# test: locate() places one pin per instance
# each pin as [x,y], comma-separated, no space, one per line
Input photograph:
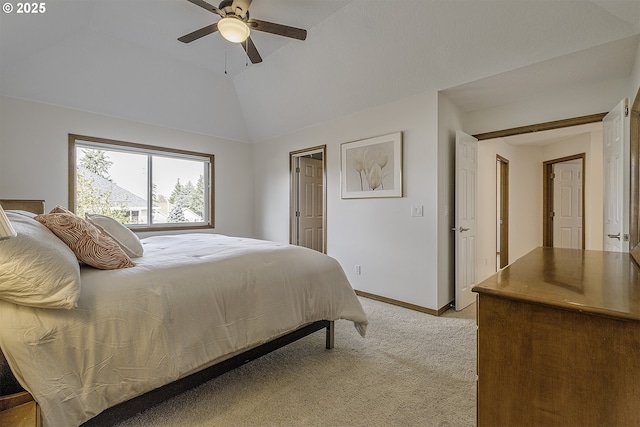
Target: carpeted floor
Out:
[412,369]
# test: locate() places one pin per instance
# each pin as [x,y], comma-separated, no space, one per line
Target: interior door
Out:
[616,178]
[502,212]
[567,205]
[466,220]
[310,221]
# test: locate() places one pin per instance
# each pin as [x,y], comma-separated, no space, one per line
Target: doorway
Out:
[563,202]
[307,216]
[502,212]
[526,150]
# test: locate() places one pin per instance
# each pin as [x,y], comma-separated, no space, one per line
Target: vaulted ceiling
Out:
[122,58]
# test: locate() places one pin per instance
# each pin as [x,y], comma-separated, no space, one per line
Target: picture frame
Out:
[372,167]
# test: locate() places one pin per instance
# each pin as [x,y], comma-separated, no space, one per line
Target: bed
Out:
[191,307]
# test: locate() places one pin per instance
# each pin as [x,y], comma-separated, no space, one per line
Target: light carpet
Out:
[412,369]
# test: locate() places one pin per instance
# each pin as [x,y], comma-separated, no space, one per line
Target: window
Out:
[141,186]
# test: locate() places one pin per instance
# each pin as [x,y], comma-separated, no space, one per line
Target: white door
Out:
[465,216]
[310,229]
[567,205]
[616,178]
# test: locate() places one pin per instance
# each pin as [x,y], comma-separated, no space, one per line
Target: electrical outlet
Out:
[358,270]
[416,210]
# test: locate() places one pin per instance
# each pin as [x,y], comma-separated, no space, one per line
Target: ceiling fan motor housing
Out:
[237,8]
[234,12]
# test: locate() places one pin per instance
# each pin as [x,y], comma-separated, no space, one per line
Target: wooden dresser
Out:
[559,341]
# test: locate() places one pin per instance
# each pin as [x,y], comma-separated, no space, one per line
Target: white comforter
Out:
[189,302]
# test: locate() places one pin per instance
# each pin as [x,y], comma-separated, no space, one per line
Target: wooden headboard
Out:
[35,206]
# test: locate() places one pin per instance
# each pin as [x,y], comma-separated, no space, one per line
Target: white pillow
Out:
[24,213]
[126,238]
[38,269]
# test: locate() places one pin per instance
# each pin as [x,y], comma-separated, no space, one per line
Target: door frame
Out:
[294,192]
[504,210]
[548,193]
[557,124]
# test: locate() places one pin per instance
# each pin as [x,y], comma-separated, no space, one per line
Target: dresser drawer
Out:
[19,410]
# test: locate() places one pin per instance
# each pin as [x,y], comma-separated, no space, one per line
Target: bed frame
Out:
[129,408]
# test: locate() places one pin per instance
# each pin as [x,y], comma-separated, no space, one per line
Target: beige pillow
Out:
[91,246]
[126,238]
[37,269]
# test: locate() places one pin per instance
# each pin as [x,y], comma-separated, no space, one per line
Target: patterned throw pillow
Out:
[88,243]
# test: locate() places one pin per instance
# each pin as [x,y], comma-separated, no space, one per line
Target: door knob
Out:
[614,236]
[461,229]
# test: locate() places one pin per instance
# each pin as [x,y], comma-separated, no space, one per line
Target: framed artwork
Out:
[372,167]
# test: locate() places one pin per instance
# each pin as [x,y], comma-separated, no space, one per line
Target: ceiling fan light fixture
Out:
[233,29]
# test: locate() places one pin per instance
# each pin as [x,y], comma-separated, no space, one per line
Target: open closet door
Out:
[616,178]
[466,220]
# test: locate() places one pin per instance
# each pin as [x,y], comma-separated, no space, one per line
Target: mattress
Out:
[191,301]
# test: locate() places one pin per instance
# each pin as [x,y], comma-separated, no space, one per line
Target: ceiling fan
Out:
[235,26]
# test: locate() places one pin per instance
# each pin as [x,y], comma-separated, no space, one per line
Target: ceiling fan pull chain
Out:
[225,59]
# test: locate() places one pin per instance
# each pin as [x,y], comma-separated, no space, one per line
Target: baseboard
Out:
[403,304]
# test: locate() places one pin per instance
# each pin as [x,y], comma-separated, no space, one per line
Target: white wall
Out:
[398,254]
[525,202]
[594,98]
[635,77]
[34,153]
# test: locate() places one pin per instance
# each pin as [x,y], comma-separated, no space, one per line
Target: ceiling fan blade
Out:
[251,50]
[203,4]
[241,7]
[188,38]
[278,29]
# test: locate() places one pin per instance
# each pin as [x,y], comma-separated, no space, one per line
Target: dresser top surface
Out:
[605,283]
